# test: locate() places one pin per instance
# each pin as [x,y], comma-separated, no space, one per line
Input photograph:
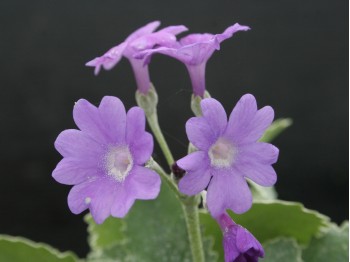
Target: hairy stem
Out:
[148,102]
[153,123]
[190,208]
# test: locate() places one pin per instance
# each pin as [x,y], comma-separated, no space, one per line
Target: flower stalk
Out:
[190,208]
[189,204]
[148,102]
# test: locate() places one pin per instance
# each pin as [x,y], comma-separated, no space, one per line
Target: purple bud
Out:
[239,244]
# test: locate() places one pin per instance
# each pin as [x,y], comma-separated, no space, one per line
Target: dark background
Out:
[295,59]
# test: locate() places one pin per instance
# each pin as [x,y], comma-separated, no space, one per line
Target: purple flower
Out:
[141,39]
[194,51]
[239,244]
[104,160]
[228,151]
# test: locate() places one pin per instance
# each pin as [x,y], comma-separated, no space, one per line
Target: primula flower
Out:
[141,39]
[228,151]
[104,160]
[194,50]
[239,244]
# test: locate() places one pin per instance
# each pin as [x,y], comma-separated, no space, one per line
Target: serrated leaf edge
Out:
[292,240]
[93,237]
[38,245]
[325,219]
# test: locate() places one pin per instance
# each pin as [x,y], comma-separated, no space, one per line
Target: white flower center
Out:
[222,153]
[118,162]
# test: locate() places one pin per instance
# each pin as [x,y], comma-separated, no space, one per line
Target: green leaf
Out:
[111,233]
[282,249]
[19,249]
[332,245]
[152,231]
[276,128]
[274,218]
[262,193]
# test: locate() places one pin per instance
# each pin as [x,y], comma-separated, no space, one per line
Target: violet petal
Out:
[215,114]
[228,190]
[72,171]
[195,182]
[144,182]
[194,161]
[200,133]
[113,116]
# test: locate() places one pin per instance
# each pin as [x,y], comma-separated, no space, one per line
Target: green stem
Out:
[148,102]
[190,208]
[154,124]
[189,204]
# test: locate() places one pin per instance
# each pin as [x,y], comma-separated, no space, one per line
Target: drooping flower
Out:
[141,39]
[239,244]
[194,50]
[228,151]
[104,160]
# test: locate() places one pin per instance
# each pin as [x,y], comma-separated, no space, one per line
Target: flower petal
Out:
[228,190]
[165,38]
[195,38]
[75,143]
[140,142]
[261,121]
[95,194]
[261,174]
[230,249]
[200,133]
[97,63]
[88,119]
[246,242]
[143,183]
[122,203]
[142,149]
[149,41]
[147,29]
[109,59]
[264,153]
[215,114]
[231,30]
[172,52]
[197,53]
[135,124]
[240,118]
[194,161]
[71,171]
[174,29]
[195,182]
[113,117]
[113,56]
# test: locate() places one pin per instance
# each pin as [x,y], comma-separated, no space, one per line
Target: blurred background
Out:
[295,59]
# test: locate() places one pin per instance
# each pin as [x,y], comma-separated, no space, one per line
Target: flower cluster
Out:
[193,50]
[106,159]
